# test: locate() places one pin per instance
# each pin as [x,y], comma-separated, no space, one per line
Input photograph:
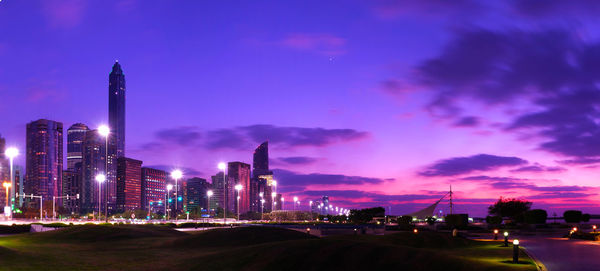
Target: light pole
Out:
[238,188]
[100,178]
[167,198]
[209,194]
[11,153]
[273,195]
[262,204]
[295,200]
[104,131]
[223,168]
[7,211]
[176,174]
[282,203]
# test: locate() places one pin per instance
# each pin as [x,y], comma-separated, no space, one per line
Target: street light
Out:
[167,197]
[11,153]
[515,251]
[282,204]
[209,194]
[238,188]
[505,238]
[176,174]
[273,195]
[100,178]
[104,131]
[295,200]
[223,167]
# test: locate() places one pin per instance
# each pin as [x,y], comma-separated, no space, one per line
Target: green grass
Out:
[250,248]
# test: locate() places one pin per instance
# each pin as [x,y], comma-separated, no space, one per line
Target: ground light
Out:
[594,227]
[515,251]
[415,231]
[506,239]
[496,234]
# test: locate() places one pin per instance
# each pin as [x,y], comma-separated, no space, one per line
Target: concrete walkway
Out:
[558,253]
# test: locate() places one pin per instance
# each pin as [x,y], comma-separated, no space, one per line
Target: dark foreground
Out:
[249,248]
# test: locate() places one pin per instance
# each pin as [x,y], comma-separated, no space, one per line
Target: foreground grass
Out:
[253,248]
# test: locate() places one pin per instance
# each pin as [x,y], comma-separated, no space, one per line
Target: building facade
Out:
[72,188]
[116,107]
[75,140]
[196,198]
[94,162]
[154,182]
[238,173]
[218,187]
[44,160]
[129,184]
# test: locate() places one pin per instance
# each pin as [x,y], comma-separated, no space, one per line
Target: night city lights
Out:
[299,135]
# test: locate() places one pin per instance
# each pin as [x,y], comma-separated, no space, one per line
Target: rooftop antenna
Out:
[451,205]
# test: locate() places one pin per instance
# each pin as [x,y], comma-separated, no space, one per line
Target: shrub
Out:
[537,216]
[430,220]
[457,221]
[586,217]
[572,216]
[404,220]
[493,219]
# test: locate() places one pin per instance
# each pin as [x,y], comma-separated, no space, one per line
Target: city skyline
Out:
[392,125]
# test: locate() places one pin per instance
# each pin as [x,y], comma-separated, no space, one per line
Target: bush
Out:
[404,220]
[586,217]
[14,229]
[430,220]
[493,219]
[457,221]
[537,216]
[572,216]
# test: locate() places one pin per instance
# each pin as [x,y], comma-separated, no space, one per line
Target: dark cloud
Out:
[187,172]
[290,178]
[462,165]
[580,161]
[375,197]
[247,137]
[555,70]
[296,160]
[469,121]
[543,8]
[562,195]
[539,168]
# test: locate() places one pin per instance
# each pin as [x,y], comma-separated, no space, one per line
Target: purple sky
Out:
[375,103]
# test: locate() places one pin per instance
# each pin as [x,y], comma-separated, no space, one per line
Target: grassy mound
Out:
[93,233]
[242,236]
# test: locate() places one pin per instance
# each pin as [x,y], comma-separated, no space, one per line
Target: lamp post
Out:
[496,234]
[104,131]
[167,198]
[506,239]
[209,194]
[100,178]
[238,188]
[273,195]
[282,203]
[11,153]
[176,174]
[7,211]
[223,167]
[295,201]
[262,204]
[515,251]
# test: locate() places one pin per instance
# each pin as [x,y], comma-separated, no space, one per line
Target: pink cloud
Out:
[64,13]
[326,44]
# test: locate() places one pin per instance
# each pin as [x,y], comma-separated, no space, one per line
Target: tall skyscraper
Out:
[94,162]
[238,173]
[44,160]
[72,187]
[154,189]
[75,138]
[116,107]
[218,186]
[4,167]
[196,194]
[129,184]
[262,180]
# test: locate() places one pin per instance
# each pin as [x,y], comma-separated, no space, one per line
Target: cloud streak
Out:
[463,165]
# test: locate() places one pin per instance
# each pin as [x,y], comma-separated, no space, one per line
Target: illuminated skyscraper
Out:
[195,191]
[94,162]
[154,183]
[75,138]
[129,184]
[218,185]
[262,180]
[238,173]
[44,160]
[116,108]
[260,160]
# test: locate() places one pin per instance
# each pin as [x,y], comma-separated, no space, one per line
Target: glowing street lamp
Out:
[167,198]
[505,238]
[282,204]
[209,194]
[238,188]
[295,201]
[11,153]
[104,131]
[176,175]
[100,178]
[273,195]
[515,251]
[223,167]
[496,234]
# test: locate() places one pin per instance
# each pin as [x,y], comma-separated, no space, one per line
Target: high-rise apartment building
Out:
[95,162]
[75,140]
[44,160]
[72,188]
[129,184]
[154,182]
[196,189]
[238,173]
[218,187]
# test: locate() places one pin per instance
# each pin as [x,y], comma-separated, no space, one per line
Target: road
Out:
[559,254]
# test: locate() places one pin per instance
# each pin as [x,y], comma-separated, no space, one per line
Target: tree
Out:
[586,217]
[572,216]
[366,215]
[537,216]
[493,219]
[511,208]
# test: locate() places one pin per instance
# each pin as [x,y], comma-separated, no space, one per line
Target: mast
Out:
[451,206]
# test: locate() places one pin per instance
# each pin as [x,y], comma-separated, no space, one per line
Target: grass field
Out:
[250,248]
